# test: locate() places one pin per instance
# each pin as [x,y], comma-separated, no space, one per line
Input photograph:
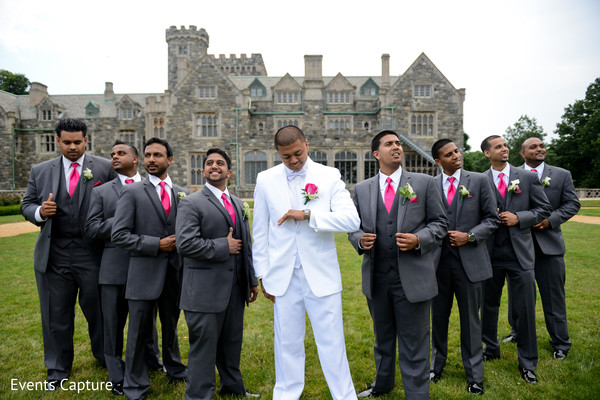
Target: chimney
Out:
[37,92]
[109,94]
[313,68]
[385,71]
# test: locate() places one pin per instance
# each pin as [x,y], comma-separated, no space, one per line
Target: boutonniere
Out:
[180,195]
[514,187]
[546,181]
[87,174]
[408,193]
[246,211]
[310,192]
[464,192]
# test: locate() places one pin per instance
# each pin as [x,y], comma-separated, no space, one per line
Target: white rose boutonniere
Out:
[464,192]
[246,211]
[87,174]
[514,187]
[546,181]
[408,193]
[180,195]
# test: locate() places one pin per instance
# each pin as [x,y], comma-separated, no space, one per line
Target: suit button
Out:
[449,212]
[389,222]
[390,235]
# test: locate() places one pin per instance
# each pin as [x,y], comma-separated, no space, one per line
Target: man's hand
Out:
[457,238]
[298,215]
[508,219]
[267,295]
[406,241]
[545,224]
[48,208]
[367,240]
[253,294]
[167,243]
[235,245]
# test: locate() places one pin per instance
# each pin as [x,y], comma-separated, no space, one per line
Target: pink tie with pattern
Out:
[73,179]
[451,190]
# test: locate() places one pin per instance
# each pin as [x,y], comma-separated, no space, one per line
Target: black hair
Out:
[486,144]
[435,149]
[221,153]
[132,147]
[287,135]
[71,125]
[377,139]
[162,142]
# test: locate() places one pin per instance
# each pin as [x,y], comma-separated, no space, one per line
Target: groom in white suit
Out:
[296,261]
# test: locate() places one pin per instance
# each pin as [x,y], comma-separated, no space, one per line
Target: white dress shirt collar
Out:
[156,181]
[539,169]
[136,178]
[396,176]
[67,163]
[218,192]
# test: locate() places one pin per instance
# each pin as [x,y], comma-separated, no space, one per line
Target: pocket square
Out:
[97,184]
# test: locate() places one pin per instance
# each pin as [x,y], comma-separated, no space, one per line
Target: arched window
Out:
[371,165]
[318,156]
[347,163]
[196,177]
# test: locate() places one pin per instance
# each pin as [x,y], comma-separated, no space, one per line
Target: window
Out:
[347,163]
[421,124]
[91,110]
[127,137]
[370,88]
[257,89]
[367,126]
[285,122]
[47,143]
[261,128]
[46,115]
[183,50]
[414,162]
[127,113]
[207,125]
[254,162]
[276,159]
[339,125]
[338,97]
[256,92]
[207,92]
[89,143]
[288,98]
[159,128]
[422,91]
[196,177]
[371,165]
[318,156]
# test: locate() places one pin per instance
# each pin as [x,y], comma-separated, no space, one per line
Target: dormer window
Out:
[370,88]
[91,110]
[288,98]
[338,97]
[257,89]
[46,115]
[127,113]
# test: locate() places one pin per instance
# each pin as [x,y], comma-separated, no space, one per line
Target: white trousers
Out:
[325,315]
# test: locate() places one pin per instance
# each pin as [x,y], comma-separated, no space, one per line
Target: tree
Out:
[14,83]
[475,161]
[523,129]
[578,143]
[466,145]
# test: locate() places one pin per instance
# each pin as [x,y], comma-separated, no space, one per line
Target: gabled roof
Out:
[339,83]
[287,83]
[424,60]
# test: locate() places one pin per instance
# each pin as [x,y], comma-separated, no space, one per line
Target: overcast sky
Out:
[531,57]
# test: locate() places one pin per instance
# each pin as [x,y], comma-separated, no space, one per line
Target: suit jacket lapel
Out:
[374,191]
[55,175]
[402,205]
[83,183]
[158,207]
[280,185]
[117,186]
[218,205]
[513,175]
[465,180]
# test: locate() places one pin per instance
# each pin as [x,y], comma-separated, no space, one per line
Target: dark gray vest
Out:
[451,211]
[386,250]
[503,252]
[66,224]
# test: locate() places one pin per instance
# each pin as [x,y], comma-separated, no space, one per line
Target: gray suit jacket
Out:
[425,217]
[476,213]
[115,260]
[565,204]
[531,206]
[44,179]
[140,223]
[208,269]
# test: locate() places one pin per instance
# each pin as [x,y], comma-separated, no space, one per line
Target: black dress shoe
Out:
[528,375]
[246,395]
[510,339]
[117,389]
[475,388]
[435,376]
[174,380]
[490,357]
[370,393]
[560,354]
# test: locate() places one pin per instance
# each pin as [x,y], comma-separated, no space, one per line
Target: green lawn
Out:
[577,377]
[590,203]
[7,219]
[592,212]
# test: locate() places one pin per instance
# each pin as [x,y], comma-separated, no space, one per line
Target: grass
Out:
[7,219]
[590,203]
[591,212]
[21,349]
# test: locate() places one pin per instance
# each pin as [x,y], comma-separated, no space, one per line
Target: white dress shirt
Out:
[136,178]
[218,193]
[539,169]
[396,175]
[446,185]
[505,171]
[168,187]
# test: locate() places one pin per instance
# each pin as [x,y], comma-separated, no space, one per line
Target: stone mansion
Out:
[231,103]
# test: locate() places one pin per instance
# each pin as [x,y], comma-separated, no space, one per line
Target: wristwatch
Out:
[306,214]
[471,237]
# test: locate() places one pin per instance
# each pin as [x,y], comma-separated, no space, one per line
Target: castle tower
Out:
[186,47]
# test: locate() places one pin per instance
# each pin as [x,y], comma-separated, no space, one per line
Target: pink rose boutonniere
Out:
[514,187]
[310,192]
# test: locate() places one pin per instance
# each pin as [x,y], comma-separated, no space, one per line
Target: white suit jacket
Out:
[274,247]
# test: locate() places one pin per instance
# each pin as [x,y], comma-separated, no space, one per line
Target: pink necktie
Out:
[228,207]
[73,179]
[534,170]
[451,190]
[128,181]
[388,197]
[164,198]
[502,185]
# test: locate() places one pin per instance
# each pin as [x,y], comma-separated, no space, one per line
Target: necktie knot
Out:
[128,181]
[74,165]
[533,170]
